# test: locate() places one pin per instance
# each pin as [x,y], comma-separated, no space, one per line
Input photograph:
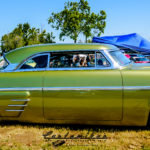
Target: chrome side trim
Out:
[73,88]
[82,88]
[136,87]
[65,69]
[22,89]
[20,100]
[13,110]
[98,88]
[17,105]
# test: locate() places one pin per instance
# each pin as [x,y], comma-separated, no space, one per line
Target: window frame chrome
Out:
[104,57]
[111,67]
[83,68]
[33,56]
[6,58]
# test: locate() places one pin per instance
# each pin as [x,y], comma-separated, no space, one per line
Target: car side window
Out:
[101,61]
[37,62]
[72,59]
[78,59]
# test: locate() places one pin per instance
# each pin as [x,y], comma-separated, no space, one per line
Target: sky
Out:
[123,16]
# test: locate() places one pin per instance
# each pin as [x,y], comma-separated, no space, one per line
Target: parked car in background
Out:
[140,60]
[136,57]
[127,55]
[73,84]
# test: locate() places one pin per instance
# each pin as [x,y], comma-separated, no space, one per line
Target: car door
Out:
[89,92]
[21,90]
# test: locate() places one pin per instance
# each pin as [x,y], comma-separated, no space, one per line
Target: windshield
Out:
[3,63]
[119,57]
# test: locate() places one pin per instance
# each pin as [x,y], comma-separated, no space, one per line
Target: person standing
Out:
[88,60]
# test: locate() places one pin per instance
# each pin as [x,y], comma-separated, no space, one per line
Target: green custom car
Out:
[73,84]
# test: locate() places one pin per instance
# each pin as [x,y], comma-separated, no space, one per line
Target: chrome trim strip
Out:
[64,69]
[22,89]
[6,58]
[17,105]
[112,62]
[82,88]
[30,57]
[13,110]
[136,87]
[20,100]
[78,69]
[95,59]
[73,88]
[48,60]
[98,88]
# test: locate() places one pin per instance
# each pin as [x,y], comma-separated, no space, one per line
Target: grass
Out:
[21,136]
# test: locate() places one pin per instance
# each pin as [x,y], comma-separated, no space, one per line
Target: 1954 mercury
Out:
[73,84]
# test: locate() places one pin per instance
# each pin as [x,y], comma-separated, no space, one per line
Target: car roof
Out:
[20,54]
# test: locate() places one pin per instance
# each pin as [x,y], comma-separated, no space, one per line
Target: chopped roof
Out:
[20,54]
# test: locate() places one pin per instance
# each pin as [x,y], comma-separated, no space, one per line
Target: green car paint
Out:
[21,54]
[76,96]
[21,99]
[74,104]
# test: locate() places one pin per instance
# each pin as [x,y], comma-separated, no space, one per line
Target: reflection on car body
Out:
[73,83]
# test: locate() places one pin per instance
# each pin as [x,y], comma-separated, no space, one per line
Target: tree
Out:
[11,41]
[24,35]
[32,37]
[77,18]
[49,38]
[68,21]
[94,24]
[46,37]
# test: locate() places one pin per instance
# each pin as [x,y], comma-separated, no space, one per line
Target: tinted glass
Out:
[36,62]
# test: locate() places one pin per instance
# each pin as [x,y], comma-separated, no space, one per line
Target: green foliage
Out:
[77,18]
[24,35]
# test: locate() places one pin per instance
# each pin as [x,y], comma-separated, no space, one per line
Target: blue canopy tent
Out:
[130,41]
